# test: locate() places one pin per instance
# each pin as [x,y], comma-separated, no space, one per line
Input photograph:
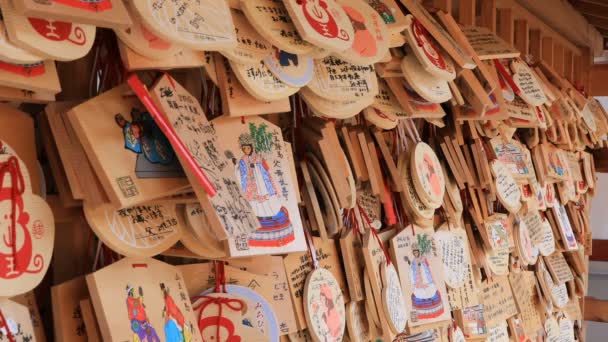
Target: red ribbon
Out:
[506,76]
[143,95]
[231,303]
[4,323]
[11,168]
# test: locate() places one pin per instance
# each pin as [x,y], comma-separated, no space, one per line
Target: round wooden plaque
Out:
[393,301]
[293,70]
[507,91]
[458,335]
[370,303]
[508,191]
[10,53]
[200,25]
[17,320]
[356,322]
[528,84]
[452,190]
[427,175]
[140,231]
[454,254]
[324,306]
[251,47]
[318,166]
[526,248]
[352,184]
[141,40]
[271,20]
[432,59]
[386,101]
[566,330]
[338,80]
[427,85]
[6,152]
[558,293]
[322,22]
[260,82]
[498,260]
[24,268]
[197,235]
[371,39]
[328,203]
[409,195]
[50,39]
[380,119]
[547,244]
[334,109]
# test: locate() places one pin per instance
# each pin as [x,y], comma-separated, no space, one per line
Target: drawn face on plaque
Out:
[455,258]
[427,175]
[420,271]
[256,152]
[324,306]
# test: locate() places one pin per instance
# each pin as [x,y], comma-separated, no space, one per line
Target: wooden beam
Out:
[577,71]
[568,65]
[505,28]
[599,247]
[522,38]
[598,22]
[536,45]
[586,64]
[443,5]
[466,12]
[591,8]
[547,50]
[596,310]
[487,16]
[558,59]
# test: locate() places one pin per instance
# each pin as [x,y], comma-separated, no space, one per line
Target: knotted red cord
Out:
[11,168]
[4,324]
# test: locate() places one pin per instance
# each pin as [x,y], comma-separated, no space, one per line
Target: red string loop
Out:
[4,323]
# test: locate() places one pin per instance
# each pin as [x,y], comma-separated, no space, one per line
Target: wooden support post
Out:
[466,12]
[596,310]
[522,39]
[443,5]
[505,24]
[536,45]
[558,59]
[547,50]
[568,65]
[487,16]
[577,71]
[586,65]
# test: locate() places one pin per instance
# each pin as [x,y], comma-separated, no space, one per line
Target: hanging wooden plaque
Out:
[229,213]
[371,35]
[413,104]
[564,226]
[523,285]
[332,80]
[138,38]
[10,53]
[293,70]
[109,126]
[386,101]
[16,318]
[420,271]
[391,13]
[393,301]
[427,85]
[197,235]
[559,268]
[499,333]
[251,47]
[324,306]
[454,250]
[527,249]
[334,109]
[512,155]
[430,57]
[272,21]
[498,301]
[552,330]
[59,40]
[382,120]
[151,295]
[260,82]
[103,13]
[509,192]
[410,197]
[323,23]
[528,84]
[488,45]
[427,175]
[66,299]
[557,293]
[547,243]
[497,260]
[37,77]
[204,25]
[357,323]
[141,231]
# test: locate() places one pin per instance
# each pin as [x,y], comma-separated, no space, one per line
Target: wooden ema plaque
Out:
[233,215]
[488,45]
[272,21]
[103,13]
[413,104]
[454,248]
[40,77]
[357,323]
[337,80]
[109,127]
[185,58]
[509,192]
[260,82]
[427,175]
[59,40]
[198,236]
[139,231]
[10,53]
[371,35]
[393,301]
[391,13]
[324,306]
[323,23]
[139,39]
[427,85]
[201,25]
[66,299]
[151,295]
[323,107]
[293,70]
[523,285]
[251,47]
[16,318]
[528,84]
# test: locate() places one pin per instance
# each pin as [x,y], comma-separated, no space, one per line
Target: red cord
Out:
[11,167]
[4,323]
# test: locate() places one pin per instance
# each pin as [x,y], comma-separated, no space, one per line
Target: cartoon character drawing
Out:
[285,58]
[430,174]
[16,255]
[555,164]
[176,329]
[364,43]
[88,5]
[321,20]
[331,317]
[155,156]
[426,299]
[254,174]
[384,11]
[140,325]
[499,234]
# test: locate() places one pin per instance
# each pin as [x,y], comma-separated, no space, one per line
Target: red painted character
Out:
[321,20]
[58,30]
